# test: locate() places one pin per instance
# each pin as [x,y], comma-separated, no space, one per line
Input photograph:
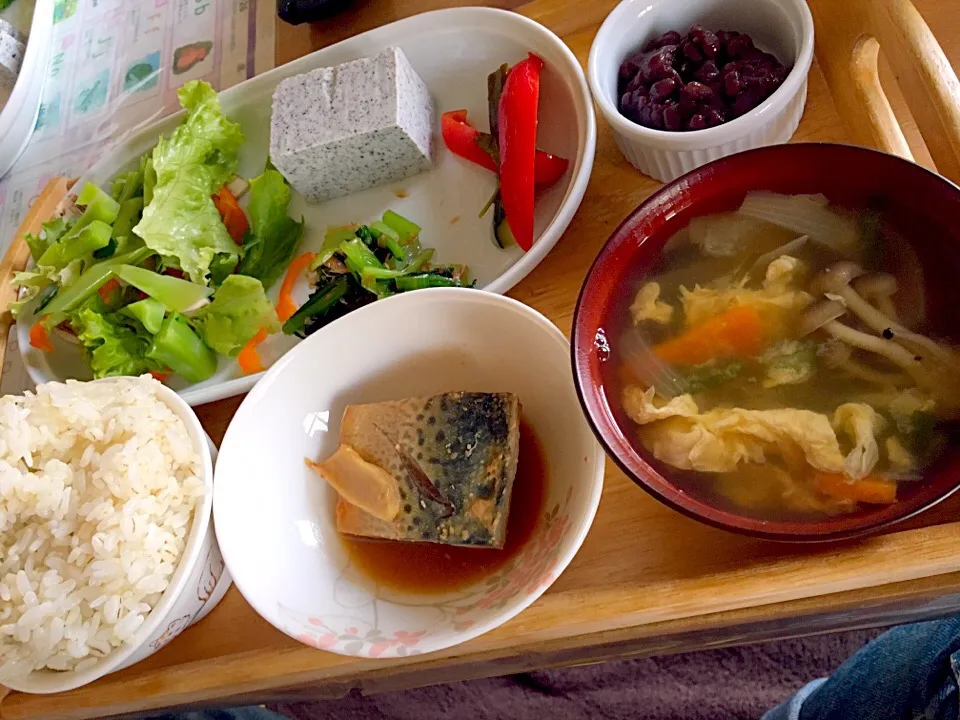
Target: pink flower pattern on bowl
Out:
[358,630]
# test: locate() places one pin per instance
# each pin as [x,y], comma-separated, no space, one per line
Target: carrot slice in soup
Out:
[737,332]
[871,490]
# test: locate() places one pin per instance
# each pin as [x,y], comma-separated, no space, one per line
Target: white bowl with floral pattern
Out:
[275,518]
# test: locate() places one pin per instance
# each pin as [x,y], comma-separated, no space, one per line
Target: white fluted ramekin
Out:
[783,27]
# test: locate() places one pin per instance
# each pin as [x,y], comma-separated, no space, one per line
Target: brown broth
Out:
[434,568]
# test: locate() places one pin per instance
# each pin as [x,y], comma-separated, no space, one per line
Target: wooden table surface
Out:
[235,657]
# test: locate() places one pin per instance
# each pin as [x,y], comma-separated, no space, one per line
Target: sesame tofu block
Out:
[338,130]
[427,469]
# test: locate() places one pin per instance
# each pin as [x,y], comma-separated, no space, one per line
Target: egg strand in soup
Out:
[776,363]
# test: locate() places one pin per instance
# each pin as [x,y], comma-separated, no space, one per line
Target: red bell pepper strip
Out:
[518,146]
[548,169]
[462,139]
[233,216]
[286,307]
[249,358]
[39,337]
[161,376]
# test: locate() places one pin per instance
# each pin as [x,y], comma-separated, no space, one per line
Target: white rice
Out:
[98,483]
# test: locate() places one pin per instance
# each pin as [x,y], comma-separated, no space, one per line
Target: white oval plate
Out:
[275,517]
[453,50]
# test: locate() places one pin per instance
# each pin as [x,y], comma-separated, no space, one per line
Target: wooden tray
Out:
[647,580]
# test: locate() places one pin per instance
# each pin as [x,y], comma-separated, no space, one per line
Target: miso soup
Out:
[780,360]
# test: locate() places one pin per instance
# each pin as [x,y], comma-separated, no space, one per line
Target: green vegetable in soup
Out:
[709,375]
[789,362]
[918,432]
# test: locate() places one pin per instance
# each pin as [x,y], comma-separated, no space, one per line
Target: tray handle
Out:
[17,255]
[850,35]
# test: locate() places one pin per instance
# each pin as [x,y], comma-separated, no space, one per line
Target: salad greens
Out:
[149,312]
[179,348]
[239,310]
[116,345]
[142,275]
[181,221]
[174,293]
[274,236]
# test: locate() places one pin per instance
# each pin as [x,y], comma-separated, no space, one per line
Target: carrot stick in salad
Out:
[249,358]
[737,332]
[872,490]
[106,290]
[39,338]
[233,216]
[286,307]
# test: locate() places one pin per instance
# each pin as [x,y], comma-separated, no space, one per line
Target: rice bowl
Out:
[105,496]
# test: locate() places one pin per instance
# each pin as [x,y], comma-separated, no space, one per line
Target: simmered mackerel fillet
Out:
[452,459]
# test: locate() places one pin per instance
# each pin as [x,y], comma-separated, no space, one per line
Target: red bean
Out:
[672,119]
[668,38]
[662,89]
[698,80]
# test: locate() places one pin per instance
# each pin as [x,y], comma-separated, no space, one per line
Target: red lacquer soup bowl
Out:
[915,203]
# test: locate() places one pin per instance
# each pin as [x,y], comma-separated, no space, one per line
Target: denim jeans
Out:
[908,673]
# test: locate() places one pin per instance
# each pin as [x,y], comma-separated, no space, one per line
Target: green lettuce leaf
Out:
[180,220]
[116,344]
[51,232]
[205,138]
[274,235]
[76,246]
[239,310]
[178,347]
[30,283]
[221,267]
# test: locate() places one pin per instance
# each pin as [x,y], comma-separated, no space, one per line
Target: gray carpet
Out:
[729,684]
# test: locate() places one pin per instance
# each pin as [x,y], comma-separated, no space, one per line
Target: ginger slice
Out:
[360,483]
